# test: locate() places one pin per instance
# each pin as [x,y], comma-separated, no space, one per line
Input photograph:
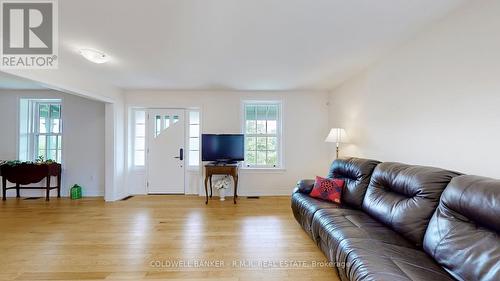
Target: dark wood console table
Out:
[24,174]
[216,169]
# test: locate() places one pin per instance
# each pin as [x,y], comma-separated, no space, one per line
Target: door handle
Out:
[181,155]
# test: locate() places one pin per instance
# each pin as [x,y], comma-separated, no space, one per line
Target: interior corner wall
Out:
[434,101]
[83,138]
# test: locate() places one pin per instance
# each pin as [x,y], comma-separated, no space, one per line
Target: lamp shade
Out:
[337,135]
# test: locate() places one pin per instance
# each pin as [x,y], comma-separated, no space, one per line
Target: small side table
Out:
[25,174]
[216,169]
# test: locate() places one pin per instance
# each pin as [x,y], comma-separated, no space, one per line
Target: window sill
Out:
[262,170]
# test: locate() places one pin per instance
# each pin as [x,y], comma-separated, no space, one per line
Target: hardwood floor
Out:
[145,237]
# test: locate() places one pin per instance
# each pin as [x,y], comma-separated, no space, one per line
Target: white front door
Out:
[166,151]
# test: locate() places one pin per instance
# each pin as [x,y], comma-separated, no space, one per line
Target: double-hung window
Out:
[48,135]
[40,130]
[262,128]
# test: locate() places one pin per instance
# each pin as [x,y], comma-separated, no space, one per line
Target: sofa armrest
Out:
[304,186]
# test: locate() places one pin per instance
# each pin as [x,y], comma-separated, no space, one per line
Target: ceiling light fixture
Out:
[94,56]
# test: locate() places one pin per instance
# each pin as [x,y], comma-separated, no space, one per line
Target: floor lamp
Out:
[338,136]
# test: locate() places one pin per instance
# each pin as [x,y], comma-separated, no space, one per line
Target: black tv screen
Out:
[228,147]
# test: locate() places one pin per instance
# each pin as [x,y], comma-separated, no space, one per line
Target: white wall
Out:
[83,138]
[435,101]
[305,118]
[115,142]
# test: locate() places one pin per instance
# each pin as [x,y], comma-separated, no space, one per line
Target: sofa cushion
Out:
[356,173]
[463,233]
[304,207]
[367,259]
[404,197]
[331,226]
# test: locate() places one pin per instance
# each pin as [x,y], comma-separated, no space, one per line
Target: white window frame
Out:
[279,134]
[33,129]
[188,138]
[134,134]
[37,132]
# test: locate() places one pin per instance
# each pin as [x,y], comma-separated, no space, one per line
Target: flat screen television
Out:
[222,148]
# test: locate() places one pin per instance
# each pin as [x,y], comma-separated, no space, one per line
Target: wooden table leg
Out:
[59,186]
[48,189]
[4,188]
[206,190]
[210,186]
[235,178]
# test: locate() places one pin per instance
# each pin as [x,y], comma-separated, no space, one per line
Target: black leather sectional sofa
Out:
[405,222]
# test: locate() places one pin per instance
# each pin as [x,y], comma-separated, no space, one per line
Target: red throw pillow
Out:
[328,189]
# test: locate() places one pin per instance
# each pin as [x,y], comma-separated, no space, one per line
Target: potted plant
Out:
[222,184]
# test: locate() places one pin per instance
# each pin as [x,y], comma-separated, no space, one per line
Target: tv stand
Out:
[225,169]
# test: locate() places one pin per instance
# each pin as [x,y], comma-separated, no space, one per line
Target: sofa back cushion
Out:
[404,197]
[463,233]
[356,173]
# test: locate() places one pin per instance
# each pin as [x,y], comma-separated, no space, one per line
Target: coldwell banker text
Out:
[29,34]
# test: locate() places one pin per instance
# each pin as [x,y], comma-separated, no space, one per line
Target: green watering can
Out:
[75,192]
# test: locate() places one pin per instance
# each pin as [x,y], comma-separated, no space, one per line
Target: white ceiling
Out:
[237,44]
